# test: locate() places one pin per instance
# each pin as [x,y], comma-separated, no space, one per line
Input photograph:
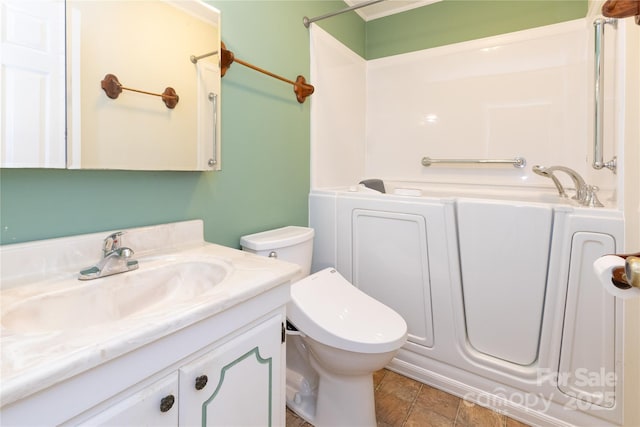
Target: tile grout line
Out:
[455,419]
[377,387]
[413,404]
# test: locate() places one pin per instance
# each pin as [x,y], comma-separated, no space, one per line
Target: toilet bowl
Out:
[338,336]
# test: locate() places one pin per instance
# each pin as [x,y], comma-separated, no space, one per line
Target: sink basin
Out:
[75,304]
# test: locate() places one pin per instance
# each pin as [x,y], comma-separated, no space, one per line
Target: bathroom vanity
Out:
[194,336]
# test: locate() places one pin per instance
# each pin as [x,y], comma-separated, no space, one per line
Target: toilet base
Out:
[302,379]
[338,401]
[329,387]
[300,397]
[345,400]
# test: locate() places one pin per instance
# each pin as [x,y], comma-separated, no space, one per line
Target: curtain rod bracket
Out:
[622,9]
[195,59]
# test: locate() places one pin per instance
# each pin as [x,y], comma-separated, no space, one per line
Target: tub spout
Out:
[542,171]
[582,193]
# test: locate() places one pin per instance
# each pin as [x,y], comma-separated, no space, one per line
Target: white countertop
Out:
[35,360]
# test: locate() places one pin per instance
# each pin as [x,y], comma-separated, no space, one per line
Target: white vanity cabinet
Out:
[240,351]
[195,334]
[237,381]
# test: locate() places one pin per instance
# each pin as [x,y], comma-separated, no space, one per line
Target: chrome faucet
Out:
[542,171]
[115,259]
[585,194]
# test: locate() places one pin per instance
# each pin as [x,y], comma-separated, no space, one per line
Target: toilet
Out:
[337,335]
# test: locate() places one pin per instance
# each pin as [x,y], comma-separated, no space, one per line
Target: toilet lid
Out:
[329,309]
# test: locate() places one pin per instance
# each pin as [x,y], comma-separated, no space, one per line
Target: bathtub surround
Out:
[528,94]
[338,159]
[516,95]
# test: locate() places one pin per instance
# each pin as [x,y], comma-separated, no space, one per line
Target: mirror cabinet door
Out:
[133,99]
[145,46]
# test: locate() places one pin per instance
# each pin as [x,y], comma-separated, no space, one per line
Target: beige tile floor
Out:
[403,402]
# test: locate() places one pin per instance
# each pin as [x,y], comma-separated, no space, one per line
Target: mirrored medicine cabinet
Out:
[123,91]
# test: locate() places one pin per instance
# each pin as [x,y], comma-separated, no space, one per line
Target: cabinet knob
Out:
[167,403]
[201,382]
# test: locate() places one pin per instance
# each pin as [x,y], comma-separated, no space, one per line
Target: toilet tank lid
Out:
[277,238]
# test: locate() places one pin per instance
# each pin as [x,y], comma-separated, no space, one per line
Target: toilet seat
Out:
[329,309]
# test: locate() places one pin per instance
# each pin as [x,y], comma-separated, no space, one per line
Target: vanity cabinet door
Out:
[237,384]
[154,406]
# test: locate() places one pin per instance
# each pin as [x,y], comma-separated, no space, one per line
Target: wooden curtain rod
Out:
[300,87]
[622,9]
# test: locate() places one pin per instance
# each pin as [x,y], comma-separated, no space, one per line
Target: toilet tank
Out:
[293,244]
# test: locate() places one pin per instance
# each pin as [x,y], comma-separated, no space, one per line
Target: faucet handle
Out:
[112,242]
[125,253]
[591,198]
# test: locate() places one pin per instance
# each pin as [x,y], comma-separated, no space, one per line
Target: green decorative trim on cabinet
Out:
[255,351]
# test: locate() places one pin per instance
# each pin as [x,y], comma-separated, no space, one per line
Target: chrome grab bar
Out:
[598,128]
[518,162]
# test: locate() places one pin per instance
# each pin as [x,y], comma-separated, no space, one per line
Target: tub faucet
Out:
[585,194]
[115,259]
[542,171]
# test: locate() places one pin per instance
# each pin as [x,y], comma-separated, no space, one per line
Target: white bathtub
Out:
[496,286]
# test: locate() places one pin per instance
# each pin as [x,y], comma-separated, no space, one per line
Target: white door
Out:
[32,84]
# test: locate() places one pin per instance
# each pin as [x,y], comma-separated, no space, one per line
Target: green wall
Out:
[453,21]
[265,132]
